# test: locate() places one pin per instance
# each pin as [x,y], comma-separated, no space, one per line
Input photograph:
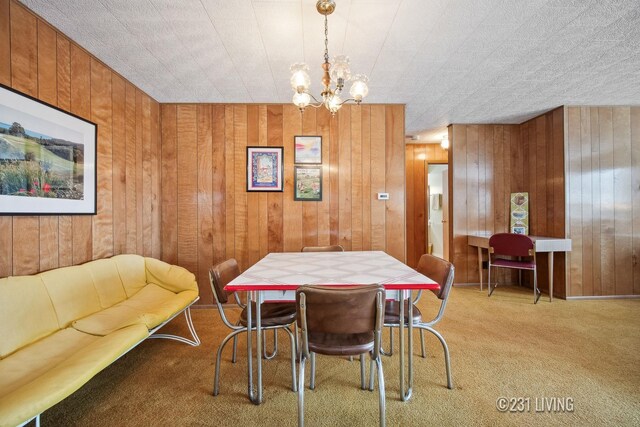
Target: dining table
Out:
[277,276]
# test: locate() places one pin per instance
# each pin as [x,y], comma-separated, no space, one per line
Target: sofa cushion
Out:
[152,306]
[72,292]
[26,313]
[107,281]
[52,369]
[132,272]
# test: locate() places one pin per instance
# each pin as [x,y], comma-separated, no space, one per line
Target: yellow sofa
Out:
[60,328]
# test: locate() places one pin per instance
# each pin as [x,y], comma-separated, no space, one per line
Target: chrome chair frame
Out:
[428,326]
[237,329]
[375,359]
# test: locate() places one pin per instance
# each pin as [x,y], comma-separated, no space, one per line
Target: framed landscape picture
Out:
[47,158]
[264,168]
[308,183]
[308,149]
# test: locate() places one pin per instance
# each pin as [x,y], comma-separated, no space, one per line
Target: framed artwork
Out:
[308,183]
[308,149]
[264,168]
[47,158]
[520,213]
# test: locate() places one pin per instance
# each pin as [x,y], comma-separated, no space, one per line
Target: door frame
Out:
[428,199]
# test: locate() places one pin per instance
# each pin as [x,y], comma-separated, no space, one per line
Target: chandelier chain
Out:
[326,39]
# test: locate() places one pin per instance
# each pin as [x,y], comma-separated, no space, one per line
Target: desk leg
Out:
[406,395]
[255,393]
[550,276]
[480,265]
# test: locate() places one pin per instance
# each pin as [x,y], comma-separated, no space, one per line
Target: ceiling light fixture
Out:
[337,72]
[445,142]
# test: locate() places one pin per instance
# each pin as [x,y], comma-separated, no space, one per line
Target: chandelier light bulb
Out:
[301,100]
[300,80]
[340,69]
[359,88]
[334,102]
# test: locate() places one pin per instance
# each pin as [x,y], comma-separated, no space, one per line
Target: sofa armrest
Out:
[171,277]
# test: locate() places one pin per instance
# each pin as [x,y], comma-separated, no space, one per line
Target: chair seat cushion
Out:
[271,314]
[341,344]
[510,263]
[392,313]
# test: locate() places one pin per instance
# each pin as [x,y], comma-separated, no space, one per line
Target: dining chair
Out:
[274,316]
[330,248]
[515,251]
[337,321]
[442,272]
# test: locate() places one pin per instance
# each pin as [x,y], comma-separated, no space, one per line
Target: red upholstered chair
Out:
[517,251]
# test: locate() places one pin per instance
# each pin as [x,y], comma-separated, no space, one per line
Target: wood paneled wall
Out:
[603,193]
[208,216]
[480,164]
[489,162]
[417,157]
[38,60]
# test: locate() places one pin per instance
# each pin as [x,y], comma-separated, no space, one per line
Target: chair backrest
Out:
[221,274]
[330,248]
[511,244]
[340,310]
[438,270]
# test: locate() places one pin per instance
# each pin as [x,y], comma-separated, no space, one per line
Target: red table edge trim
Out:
[392,286]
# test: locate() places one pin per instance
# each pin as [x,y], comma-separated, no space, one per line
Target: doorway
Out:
[437,207]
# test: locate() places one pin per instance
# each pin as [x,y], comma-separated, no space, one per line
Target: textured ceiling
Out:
[450,61]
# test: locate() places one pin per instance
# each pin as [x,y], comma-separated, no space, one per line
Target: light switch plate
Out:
[383,196]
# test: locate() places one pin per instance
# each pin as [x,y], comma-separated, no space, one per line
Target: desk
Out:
[277,276]
[543,244]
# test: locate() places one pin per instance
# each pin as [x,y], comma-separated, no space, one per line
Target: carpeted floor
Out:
[503,346]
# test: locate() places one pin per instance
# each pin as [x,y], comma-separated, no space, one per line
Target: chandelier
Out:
[336,74]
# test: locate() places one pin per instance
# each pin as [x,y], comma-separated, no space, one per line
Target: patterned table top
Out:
[288,271]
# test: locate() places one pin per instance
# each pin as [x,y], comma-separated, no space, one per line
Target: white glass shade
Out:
[300,80]
[340,68]
[445,142]
[359,88]
[301,100]
[334,103]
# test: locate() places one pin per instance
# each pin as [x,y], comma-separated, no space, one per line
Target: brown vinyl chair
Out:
[516,251]
[330,248]
[442,272]
[338,321]
[274,316]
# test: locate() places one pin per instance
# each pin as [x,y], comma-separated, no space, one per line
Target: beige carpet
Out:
[588,351]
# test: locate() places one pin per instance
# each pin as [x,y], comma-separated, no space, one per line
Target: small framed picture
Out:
[308,183]
[264,168]
[308,150]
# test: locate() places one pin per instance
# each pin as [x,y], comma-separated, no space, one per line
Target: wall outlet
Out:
[383,196]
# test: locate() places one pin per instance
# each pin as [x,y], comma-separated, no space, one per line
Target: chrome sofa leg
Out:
[194,342]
